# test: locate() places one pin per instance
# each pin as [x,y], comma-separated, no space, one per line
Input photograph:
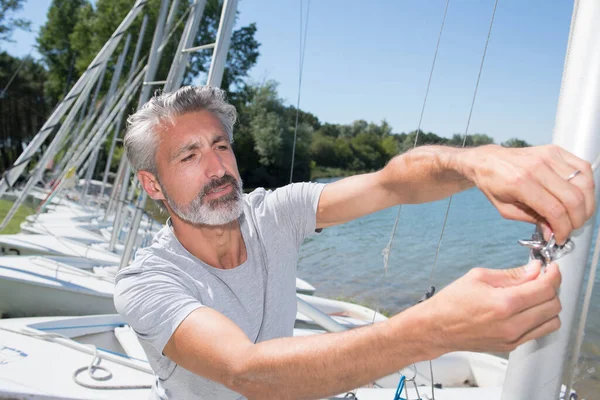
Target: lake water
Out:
[345,261]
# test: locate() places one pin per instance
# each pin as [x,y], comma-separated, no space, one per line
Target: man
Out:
[212,300]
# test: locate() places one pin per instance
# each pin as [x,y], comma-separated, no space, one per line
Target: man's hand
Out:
[497,310]
[530,185]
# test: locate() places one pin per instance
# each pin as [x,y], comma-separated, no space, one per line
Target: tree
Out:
[23,108]
[515,142]
[95,26]
[243,50]
[9,23]
[476,139]
[55,45]
[271,124]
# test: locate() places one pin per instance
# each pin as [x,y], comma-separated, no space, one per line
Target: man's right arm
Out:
[486,310]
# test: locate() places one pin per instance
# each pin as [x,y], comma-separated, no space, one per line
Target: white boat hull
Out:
[35,286]
[462,375]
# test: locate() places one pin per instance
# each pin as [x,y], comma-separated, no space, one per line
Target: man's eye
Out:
[188,158]
[223,147]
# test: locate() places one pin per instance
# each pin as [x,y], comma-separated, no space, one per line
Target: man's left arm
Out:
[523,184]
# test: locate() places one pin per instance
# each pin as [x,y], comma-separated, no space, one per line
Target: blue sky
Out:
[371,60]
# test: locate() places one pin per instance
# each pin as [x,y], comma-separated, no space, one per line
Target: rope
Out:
[301,68]
[91,367]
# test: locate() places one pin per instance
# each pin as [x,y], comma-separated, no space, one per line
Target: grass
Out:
[14,226]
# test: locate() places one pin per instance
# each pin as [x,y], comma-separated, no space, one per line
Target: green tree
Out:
[480,139]
[476,139]
[271,125]
[515,142]
[408,140]
[7,22]
[55,46]
[323,150]
[390,145]
[96,25]
[23,108]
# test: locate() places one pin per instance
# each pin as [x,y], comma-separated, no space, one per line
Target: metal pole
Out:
[88,113]
[102,130]
[177,70]
[217,65]
[155,55]
[48,155]
[153,61]
[116,187]
[170,19]
[173,83]
[81,133]
[74,94]
[132,68]
[109,98]
[536,368]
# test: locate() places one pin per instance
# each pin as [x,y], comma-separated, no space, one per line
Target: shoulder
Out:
[293,192]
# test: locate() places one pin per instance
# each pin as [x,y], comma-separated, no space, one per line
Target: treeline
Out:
[264,135]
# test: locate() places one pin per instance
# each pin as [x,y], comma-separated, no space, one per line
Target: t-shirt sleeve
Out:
[153,303]
[296,204]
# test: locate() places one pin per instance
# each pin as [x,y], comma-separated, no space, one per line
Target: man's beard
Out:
[219,211]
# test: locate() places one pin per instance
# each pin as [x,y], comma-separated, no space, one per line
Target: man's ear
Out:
[151,185]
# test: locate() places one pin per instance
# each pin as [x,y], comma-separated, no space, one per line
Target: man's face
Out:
[197,170]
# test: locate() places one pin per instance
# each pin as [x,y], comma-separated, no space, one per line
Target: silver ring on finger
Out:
[573,175]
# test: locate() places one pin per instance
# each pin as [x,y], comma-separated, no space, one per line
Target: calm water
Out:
[345,261]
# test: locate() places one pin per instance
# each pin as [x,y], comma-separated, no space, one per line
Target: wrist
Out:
[458,164]
[420,336]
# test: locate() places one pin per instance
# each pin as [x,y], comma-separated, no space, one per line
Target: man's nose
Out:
[214,164]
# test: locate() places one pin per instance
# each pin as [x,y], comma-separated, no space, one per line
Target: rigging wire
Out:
[16,72]
[465,135]
[387,250]
[301,69]
[487,41]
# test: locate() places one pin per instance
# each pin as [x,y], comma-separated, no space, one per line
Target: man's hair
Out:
[142,127]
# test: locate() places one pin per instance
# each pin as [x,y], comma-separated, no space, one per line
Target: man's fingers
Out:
[584,180]
[502,278]
[518,212]
[572,199]
[553,276]
[533,293]
[532,318]
[537,197]
[542,330]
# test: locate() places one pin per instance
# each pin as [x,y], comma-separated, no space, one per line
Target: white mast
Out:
[536,368]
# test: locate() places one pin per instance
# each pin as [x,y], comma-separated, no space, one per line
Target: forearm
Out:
[322,365]
[427,173]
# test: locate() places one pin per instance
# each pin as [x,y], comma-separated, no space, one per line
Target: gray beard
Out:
[220,211]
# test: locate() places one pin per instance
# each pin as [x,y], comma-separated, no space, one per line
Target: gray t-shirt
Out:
[166,283]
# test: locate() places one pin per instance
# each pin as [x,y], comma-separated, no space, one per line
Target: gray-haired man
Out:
[212,300]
